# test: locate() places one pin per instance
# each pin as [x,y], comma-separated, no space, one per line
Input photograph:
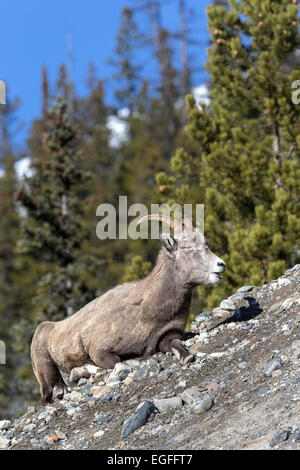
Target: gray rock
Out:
[203,316]
[204,404]
[166,404]
[163,376]
[100,419]
[29,427]
[245,289]
[30,409]
[281,436]
[133,363]
[106,397]
[141,373]
[36,444]
[4,443]
[82,381]
[190,395]
[60,435]
[236,301]
[273,365]
[120,372]
[296,435]
[138,418]
[44,415]
[5,424]
[72,411]
[86,389]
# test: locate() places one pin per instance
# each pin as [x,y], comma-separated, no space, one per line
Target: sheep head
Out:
[195,263]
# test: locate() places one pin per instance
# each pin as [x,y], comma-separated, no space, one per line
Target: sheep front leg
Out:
[173,343]
[104,359]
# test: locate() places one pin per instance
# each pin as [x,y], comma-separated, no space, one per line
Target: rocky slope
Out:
[241,392]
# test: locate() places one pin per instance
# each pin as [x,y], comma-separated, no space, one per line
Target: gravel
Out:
[241,391]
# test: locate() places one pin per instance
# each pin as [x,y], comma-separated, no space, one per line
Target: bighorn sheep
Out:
[135,319]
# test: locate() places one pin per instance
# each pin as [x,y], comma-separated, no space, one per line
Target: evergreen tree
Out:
[52,228]
[127,75]
[248,138]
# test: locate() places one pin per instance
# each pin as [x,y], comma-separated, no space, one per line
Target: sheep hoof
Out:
[187,360]
[58,391]
[82,372]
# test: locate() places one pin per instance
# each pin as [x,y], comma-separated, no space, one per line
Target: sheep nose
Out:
[221,264]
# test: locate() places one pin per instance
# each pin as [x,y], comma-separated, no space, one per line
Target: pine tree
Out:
[248,138]
[15,286]
[52,228]
[127,75]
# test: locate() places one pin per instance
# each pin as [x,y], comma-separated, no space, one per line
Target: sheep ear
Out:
[169,242]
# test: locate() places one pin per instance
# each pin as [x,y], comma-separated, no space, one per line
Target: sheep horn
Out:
[173,223]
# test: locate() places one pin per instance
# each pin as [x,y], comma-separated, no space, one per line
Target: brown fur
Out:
[131,320]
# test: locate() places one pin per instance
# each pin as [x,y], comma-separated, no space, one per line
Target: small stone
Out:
[52,438]
[245,289]
[163,376]
[86,389]
[119,372]
[35,443]
[213,385]
[100,419]
[182,383]
[71,411]
[217,355]
[190,395]
[106,397]
[60,435]
[219,312]
[75,396]
[5,424]
[204,404]
[29,427]
[296,435]
[43,415]
[133,363]
[114,384]
[203,316]
[167,404]
[274,364]
[82,381]
[138,418]
[51,409]
[141,374]
[276,373]
[195,348]
[234,302]
[4,443]
[98,434]
[30,409]
[128,380]
[194,326]
[98,392]
[281,436]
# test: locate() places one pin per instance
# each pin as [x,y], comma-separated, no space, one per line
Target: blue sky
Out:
[33,33]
